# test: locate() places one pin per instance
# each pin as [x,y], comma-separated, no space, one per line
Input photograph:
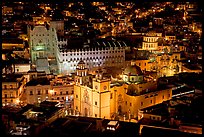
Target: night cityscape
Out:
[120,69]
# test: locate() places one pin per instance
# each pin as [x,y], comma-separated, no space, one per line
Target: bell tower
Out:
[81,73]
[101,94]
[101,83]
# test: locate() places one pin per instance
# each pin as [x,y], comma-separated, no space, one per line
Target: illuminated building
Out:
[39,89]
[144,64]
[191,69]
[163,64]
[166,60]
[105,53]
[40,20]
[150,41]
[7,10]
[62,89]
[12,89]
[107,97]
[50,54]
[158,21]
[43,48]
[21,67]
[166,64]
[22,52]
[12,43]
[170,37]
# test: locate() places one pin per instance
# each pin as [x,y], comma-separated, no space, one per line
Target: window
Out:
[130,104]
[132,79]
[141,103]
[105,87]
[163,97]
[61,93]
[11,86]
[76,107]
[55,93]
[57,98]
[151,101]
[5,95]
[96,103]
[38,92]
[95,115]
[72,91]
[46,92]
[31,92]
[5,87]
[169,95]
[111,95]
[125,102]
[62,98]
[139,64]
[76,96]
[67,93]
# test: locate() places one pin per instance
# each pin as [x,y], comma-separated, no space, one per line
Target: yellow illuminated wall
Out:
[12,45]
[145,65]
[12,92]
[116,101]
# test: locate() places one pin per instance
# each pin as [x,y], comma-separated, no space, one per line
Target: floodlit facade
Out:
[12,89]
[43,48]
[49,54]
[108,98]
[150,41]
[166,64]
[103,54]
[37,90]
[41,89]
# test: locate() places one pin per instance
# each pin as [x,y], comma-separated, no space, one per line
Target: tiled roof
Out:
[38,81]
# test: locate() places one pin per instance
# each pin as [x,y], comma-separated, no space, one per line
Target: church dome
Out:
[132,70]
[81,65]
[81,62]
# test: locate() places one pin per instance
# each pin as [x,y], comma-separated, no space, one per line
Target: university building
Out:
[56,55]
[98,53]
[43,50]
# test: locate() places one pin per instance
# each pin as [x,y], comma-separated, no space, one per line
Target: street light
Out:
[51,91]
[17,101]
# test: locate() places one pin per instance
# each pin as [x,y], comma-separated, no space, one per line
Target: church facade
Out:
[103,97]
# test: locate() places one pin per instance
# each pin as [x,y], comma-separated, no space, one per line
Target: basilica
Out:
[105,95]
